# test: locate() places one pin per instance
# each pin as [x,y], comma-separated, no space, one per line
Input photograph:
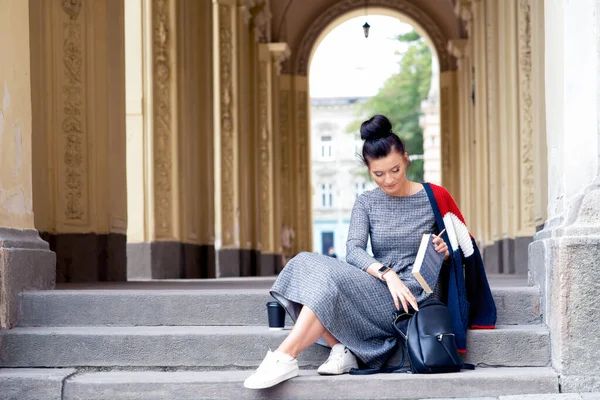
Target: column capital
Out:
[262,22]
[255,13]
[248,9]
[459,48]
[280,52]
[463,10]
[245,12]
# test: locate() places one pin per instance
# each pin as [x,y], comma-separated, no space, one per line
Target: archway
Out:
[344,10]
[337,177]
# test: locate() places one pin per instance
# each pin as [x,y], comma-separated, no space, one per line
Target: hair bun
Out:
[377,127]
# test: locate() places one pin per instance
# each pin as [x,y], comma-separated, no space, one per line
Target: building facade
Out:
[337,175]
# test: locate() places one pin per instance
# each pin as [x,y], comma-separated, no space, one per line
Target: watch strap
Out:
[382,271]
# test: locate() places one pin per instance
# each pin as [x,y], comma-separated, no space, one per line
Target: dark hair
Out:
[380,139]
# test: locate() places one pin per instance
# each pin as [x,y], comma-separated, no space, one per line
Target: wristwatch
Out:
[382,271]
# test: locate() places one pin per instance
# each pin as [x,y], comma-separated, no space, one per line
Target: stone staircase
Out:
[200,339]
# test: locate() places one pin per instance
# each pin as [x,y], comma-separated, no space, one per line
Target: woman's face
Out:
[390,172]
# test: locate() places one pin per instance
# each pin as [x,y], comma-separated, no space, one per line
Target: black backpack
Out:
[426,337]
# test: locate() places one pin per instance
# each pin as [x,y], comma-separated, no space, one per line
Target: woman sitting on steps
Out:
[349,306]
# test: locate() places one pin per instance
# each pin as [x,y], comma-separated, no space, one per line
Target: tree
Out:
[400,99]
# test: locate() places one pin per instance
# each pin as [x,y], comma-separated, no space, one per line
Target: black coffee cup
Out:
[276,314]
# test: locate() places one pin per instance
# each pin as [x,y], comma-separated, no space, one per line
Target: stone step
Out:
[188,385]
[33,383]
[210,307]
[223,347]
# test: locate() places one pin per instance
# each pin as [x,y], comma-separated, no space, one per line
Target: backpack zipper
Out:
[441,336]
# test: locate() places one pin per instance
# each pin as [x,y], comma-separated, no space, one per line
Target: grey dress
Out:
[355,307]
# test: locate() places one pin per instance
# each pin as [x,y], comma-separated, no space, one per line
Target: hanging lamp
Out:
[366,26]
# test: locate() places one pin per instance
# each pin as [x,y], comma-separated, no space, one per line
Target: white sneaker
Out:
[275,368]
[340,361]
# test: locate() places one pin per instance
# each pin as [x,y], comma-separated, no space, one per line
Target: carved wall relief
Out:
[265,158]
[73,122]
[228,207]
[284,103]
[162,67]
[526,115]
[304,197]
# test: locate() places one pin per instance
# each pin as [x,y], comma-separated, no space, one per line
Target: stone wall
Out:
[25,261]
[564,256]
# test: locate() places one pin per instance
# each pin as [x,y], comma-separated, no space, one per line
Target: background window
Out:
[359,188]
[326,147]
[326,195]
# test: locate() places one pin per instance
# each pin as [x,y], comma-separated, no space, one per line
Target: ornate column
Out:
[303,230]
[459,48]
[288,166]
[535,25]
[449,122]
[226,99]
[26,263]
[271,56]
[463,51]
[506,160]
[295,166]
[508,129]
[247,146]
[195,138]
[253,31]
[480,135]
[492,253]
[170,159]
[527,155]
[280,53]
[564,256]
[430,123]
[78,108]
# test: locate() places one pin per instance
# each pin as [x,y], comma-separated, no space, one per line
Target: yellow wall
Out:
[78,108]
[16,207]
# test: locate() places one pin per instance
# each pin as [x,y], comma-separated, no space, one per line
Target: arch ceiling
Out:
[301,23]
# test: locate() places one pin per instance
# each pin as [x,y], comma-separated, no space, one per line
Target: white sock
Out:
[283,356]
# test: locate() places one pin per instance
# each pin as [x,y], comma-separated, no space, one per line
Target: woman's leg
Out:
[331,341]
[307,330]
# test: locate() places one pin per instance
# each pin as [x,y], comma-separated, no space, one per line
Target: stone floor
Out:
[562,396]
[234,283]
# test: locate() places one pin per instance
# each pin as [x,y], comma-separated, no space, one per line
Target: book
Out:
[428,264]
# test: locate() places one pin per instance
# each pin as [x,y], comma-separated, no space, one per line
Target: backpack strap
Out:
[371,371]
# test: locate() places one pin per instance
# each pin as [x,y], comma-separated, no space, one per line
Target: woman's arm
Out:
[356,255]
[358,236]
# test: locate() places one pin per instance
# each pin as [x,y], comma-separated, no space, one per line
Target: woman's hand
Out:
[400,293]
[440,245]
